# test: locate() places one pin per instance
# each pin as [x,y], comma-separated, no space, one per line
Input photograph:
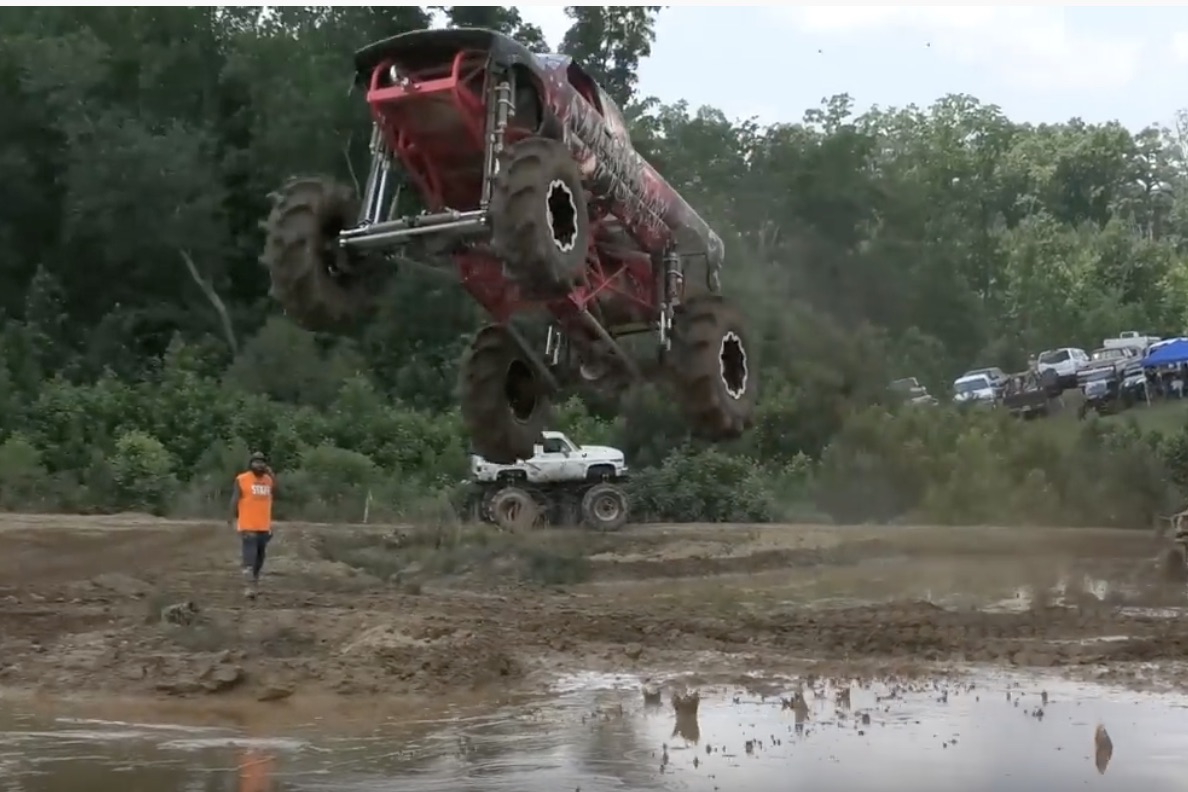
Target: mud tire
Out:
[499,431]
[1049,381]
[604,508]
[713,367]
[321,286]
[537,176]
[513,509]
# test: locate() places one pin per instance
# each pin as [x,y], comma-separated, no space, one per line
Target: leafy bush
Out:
[22,474]
[703,486]
[173,442]
[331,482]
[142,473]
[940,466]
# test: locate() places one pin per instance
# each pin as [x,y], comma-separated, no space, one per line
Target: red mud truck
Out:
[531,192]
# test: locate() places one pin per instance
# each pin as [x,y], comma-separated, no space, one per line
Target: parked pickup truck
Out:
[909,390]
[1120,360]
[1102,379]
[1138,342]
[1029,395]
[975,390]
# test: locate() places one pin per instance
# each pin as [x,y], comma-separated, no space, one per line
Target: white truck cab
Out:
[557,460]
[1065,361]
[975,388]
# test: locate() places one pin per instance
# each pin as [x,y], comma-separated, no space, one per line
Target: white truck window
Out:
[1054,356]
[555,445]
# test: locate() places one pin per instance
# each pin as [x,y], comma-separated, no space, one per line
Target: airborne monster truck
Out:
[533,193]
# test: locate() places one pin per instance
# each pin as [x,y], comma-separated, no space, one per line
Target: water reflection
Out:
[685,706]
[1103,749]
[994,733]
[255,770]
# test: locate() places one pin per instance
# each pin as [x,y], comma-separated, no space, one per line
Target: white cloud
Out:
[1180,45]
[1031,47]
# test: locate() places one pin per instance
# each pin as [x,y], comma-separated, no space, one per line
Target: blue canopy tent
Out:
[1171,354]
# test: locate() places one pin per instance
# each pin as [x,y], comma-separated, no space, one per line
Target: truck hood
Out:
[981,394]
[600,452]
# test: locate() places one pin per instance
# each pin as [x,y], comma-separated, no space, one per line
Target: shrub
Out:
[22,474]
[703,486]
[141,472]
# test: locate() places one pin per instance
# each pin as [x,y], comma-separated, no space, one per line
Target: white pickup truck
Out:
[563,483]
[1131,339]
[555,461]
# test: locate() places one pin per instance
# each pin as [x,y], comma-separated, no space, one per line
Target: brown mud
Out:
[132,606]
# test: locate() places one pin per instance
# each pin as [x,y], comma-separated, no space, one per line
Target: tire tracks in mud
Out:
[918,631]
[702,565]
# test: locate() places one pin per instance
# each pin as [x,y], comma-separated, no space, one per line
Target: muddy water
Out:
[986,732]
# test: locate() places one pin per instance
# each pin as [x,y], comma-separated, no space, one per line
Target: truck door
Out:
[553,460]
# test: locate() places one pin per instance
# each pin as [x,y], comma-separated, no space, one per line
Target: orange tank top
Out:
[255,502]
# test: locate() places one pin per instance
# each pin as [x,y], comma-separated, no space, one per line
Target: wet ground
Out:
[397,658]
[988,730]
[131,606]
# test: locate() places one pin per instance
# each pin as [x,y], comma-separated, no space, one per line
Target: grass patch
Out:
[1163,417]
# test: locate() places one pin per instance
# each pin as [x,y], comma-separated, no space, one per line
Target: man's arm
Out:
[234,508]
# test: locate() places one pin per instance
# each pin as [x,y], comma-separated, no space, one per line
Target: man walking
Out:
[251,514]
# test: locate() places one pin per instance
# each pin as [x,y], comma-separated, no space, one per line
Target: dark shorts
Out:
[254,543]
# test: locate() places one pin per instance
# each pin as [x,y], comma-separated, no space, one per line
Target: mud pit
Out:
[987,731]
[351,612]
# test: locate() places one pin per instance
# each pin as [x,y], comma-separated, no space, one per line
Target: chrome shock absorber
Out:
[500,109]
[673,285]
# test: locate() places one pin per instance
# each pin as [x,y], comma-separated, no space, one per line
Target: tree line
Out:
[140,356]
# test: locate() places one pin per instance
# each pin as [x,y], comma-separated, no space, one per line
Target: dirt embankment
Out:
[139,606]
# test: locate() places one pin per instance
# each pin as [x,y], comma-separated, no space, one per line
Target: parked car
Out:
[911,391]
[994,373]
[975,389]
[1065,361]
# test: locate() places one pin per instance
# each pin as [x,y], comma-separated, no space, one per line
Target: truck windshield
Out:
[972,384]
[1108,354]
[1055,356]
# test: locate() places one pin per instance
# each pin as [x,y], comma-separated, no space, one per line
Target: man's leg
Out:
[251,551]
[261,550]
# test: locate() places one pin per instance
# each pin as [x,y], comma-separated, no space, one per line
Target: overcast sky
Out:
[1038,63]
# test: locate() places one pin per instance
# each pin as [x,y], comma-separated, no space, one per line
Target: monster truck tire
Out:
[320,285]
[713,368]
[513,509]
[1049,381]
[604,508]
[540,225]
[504,405]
